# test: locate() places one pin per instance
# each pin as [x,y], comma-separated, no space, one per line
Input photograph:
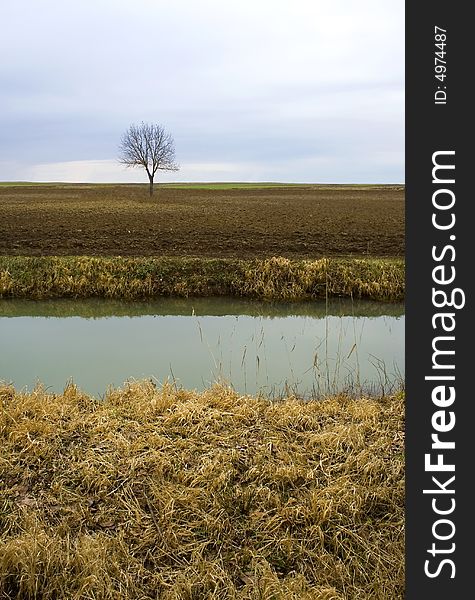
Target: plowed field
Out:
[302,221]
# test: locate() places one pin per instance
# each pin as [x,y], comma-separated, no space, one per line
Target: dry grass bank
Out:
[135,278]
[170,494]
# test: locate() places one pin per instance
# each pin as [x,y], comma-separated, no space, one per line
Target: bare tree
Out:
[149,146]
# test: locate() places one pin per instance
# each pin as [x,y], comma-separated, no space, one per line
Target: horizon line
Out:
[52,182]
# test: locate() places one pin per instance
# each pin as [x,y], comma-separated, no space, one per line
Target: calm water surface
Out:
[273,348]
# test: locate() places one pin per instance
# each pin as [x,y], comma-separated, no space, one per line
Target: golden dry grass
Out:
[172,494]
[134,278]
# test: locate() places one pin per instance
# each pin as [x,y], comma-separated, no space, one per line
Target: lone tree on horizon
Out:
[148,145]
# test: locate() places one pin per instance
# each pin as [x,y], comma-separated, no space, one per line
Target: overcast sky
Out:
[251,90]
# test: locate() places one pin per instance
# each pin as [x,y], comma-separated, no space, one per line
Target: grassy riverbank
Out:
[165,493]
[138,278]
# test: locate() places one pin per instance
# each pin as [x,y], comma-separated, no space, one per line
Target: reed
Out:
[172,494]
[138,278]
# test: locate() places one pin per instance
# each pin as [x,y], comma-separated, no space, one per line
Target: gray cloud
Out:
[306,90]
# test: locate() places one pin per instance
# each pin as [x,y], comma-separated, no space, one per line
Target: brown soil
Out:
[291,221]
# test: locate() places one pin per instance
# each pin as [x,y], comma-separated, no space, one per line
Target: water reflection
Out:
[311,348]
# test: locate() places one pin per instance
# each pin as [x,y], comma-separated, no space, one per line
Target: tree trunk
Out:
[151,185]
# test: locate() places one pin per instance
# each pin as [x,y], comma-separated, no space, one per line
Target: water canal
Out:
[310,348]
